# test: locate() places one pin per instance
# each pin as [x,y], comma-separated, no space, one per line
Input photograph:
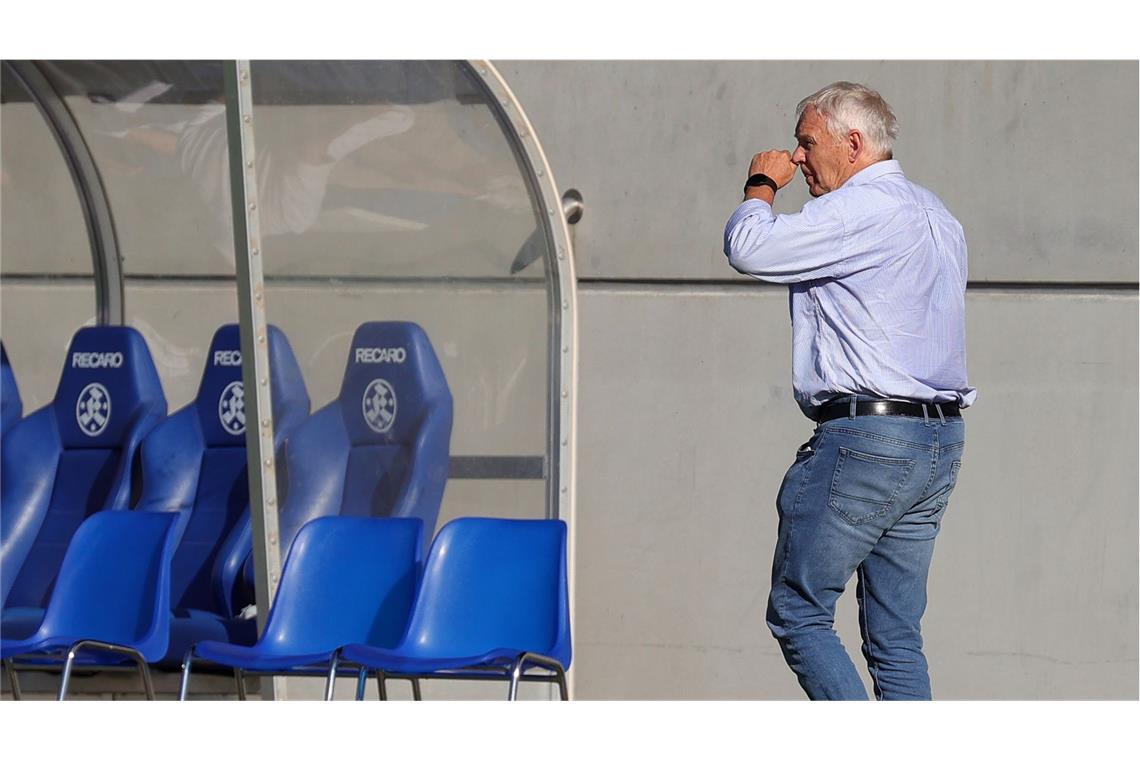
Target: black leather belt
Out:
[837,409]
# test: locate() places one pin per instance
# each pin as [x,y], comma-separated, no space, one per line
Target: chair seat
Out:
[393,661]
[255,658]
[188,627]
[37,652]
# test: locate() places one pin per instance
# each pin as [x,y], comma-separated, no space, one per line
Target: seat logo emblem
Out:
[93,410]
[379,405]
[231,408]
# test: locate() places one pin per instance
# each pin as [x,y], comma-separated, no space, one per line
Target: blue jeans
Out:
[864,497]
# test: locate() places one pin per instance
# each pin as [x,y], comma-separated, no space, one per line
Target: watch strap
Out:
[759,180]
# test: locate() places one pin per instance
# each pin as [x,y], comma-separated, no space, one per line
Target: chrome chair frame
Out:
[334,671]
[68,666]
[513,674]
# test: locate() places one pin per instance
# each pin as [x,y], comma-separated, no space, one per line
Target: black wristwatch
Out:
[758,180]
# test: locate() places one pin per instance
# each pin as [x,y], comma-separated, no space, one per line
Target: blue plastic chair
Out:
[112,597]
[11,408]
[493,603]
[195,460]
[70,459]
[345,579]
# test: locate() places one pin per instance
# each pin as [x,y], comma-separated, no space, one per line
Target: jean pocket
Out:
[944,501]
[865,486]
[954,467]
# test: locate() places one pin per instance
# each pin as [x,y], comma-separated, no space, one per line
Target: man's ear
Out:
[855,146]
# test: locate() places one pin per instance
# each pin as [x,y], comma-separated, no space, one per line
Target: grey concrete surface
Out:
[1037,159]
[38,203]
[687,427]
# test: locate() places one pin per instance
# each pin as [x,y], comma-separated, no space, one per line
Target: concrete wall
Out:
[686,417]
[1036,159]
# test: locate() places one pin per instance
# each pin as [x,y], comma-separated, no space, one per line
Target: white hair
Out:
[847,106]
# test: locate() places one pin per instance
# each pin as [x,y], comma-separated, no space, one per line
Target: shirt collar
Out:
[873,172]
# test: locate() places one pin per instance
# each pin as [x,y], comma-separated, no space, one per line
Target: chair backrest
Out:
[493,584]
[11,408]
[195,460]
[74,456]
[381,447]
[114,583]
[346,580]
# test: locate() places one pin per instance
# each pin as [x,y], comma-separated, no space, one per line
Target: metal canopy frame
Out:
[105,257]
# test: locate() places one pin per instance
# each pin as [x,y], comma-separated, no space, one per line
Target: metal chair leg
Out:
[184,687]
[330,682]
[416,690]
[563,692]
[13,680]
[144,669]
[381,686]
[516,674]
[239,676]
[361,683]
[545,662]
[67,666]
[148,684]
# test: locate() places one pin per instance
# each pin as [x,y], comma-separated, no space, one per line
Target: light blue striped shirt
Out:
[877,277]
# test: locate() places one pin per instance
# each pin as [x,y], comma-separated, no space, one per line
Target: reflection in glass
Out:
[390,193]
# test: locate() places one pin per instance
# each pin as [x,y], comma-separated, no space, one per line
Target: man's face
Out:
[822,158]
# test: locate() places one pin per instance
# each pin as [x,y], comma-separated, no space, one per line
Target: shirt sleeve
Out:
[786,248]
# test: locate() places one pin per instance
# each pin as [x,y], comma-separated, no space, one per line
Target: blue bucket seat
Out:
[381,448]
[70,459]
[195,461]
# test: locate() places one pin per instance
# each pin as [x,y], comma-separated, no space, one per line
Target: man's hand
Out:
[777,164]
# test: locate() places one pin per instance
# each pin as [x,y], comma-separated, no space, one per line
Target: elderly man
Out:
[876,269]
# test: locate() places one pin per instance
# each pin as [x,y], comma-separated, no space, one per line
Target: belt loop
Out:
[925,416]
[851,409]
[941,416]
